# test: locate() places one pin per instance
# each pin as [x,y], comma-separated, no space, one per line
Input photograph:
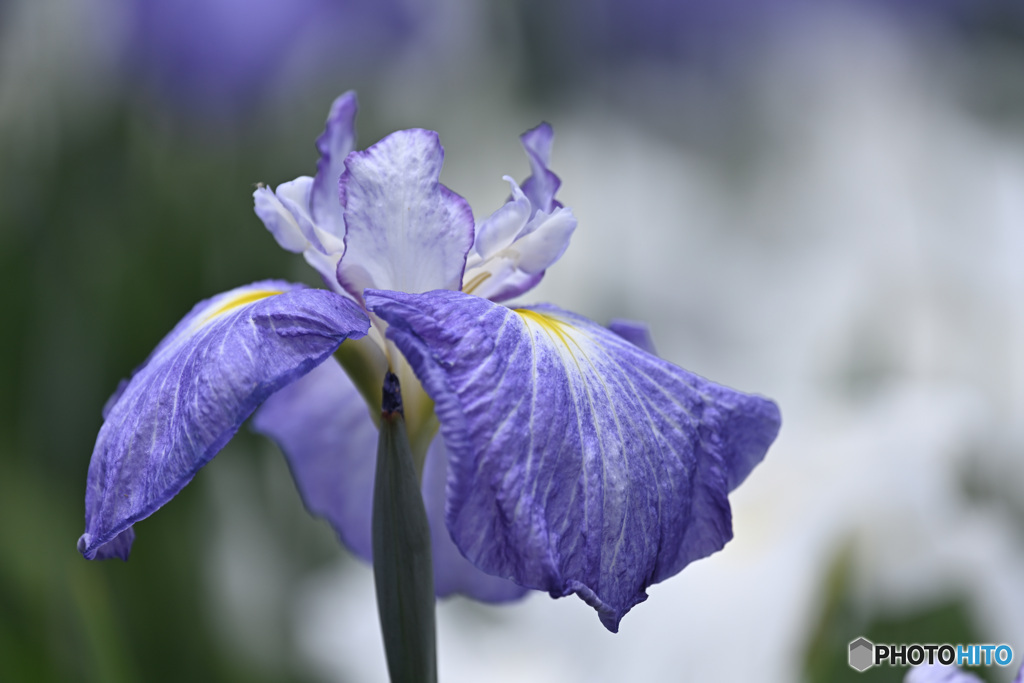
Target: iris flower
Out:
[555,454]
[938,673]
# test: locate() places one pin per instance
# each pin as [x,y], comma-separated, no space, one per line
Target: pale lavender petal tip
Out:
[279,220]
[334,144]
[542,185]
[195,390]
[404,230]
[579,462]
[518,244]
[537,142]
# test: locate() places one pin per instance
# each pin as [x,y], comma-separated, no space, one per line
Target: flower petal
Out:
[322,425]
[120,546]
[542,185]
[404,230]
[547,240]
[285,212]
[579,463]
[280,221]
[502,227]
[453,573]
[500,288]
[939,673]
[334,144]
[523,238]
[194,391]
[636,333]
[512,250]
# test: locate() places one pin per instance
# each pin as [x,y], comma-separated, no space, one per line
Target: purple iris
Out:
[554,453]
[938,673]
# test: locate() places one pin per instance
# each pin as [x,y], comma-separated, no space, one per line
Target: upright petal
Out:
[334,144]
[523,238]
[579,463]
[501,228]
[285,213]
[514,246]
[542,184]
[547,240]
[280,221]
[194,391]
[322,425]
[403,229]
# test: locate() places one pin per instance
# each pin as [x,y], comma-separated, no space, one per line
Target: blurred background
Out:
[819,202]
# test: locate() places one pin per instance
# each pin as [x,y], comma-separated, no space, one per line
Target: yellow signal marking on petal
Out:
[554,328]
[241,299]
[545,322]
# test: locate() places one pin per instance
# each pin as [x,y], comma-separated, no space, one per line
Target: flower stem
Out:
[402,568]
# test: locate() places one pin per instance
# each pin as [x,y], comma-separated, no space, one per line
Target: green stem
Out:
[402,568]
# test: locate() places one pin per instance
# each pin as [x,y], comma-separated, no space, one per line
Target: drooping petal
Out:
[194,391]
[334,144]
[635,333]
[322,425]
[120,546]
[579,463]
[542,184]
[453,573]
[404,230]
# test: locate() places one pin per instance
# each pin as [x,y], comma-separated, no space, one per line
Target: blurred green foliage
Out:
[844,618]
[106,240]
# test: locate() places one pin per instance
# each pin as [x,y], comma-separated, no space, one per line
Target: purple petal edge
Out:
[195,390]
[580,463]
[543,184]
[334,144]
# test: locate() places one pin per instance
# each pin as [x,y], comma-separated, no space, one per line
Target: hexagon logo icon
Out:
[862,654]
